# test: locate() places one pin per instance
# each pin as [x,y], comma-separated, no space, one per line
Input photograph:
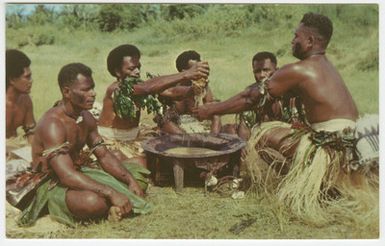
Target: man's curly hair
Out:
[264,55]
[183,59]
[15,62]
[68,74]
[321,23]
[116,56]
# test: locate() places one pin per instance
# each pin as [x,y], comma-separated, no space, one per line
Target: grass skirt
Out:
[318,192]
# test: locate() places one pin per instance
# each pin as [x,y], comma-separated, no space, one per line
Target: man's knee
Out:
[276,138]
[93,200]
[86,204]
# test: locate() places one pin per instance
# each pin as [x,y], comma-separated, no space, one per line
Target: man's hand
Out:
[120,200]
[198,70]
[134,187]
[202,112]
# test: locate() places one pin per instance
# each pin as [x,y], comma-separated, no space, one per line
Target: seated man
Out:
[286,108]
[313,164]
[74,191]
[19,111]
[120,116]
[180,100]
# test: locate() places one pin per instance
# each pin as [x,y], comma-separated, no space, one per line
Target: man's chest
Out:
[76,135]
[15,114]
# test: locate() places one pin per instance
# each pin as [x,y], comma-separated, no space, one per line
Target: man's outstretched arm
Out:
[283,81]
[161,83]
[176,93]
[236,104]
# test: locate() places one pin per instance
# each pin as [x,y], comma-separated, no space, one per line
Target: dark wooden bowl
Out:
[226,148]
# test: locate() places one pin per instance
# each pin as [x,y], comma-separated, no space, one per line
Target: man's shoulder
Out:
[113,86]
[299,68]
[50,130]
[294,66]
[25,99]
[50,122]
[50,117]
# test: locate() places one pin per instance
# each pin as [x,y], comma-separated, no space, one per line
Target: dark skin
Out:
[85,198]
[19,111]
[169,97]
[262,69]
[131,67]
[183,98]
[320,86]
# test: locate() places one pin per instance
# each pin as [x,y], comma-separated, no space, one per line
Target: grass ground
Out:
[192,215]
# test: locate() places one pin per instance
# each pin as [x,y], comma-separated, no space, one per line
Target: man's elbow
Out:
[274,93]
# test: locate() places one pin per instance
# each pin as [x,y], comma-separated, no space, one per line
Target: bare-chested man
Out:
[177,119]
[123,62]
[76,192]
[314,161]
[19,111]
[313,78]
[285,108]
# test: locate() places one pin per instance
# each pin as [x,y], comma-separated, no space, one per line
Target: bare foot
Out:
[114,214]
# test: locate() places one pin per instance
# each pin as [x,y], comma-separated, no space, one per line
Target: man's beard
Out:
[79,101]
[297,51]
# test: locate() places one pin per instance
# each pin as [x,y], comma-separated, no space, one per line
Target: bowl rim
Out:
[239,146]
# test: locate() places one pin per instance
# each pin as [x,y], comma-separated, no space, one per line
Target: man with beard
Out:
[312,164]
[76,189]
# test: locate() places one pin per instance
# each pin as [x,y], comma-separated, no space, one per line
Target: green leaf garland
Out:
[126,104]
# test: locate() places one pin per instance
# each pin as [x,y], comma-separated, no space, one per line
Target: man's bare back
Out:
[319,85]
[313,78]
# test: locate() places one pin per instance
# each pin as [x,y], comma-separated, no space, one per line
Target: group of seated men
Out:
[296,111]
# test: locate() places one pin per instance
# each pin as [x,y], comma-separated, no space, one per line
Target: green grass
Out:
[353,50]
[194,215]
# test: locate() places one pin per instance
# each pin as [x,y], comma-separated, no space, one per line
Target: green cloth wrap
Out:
[54,198]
